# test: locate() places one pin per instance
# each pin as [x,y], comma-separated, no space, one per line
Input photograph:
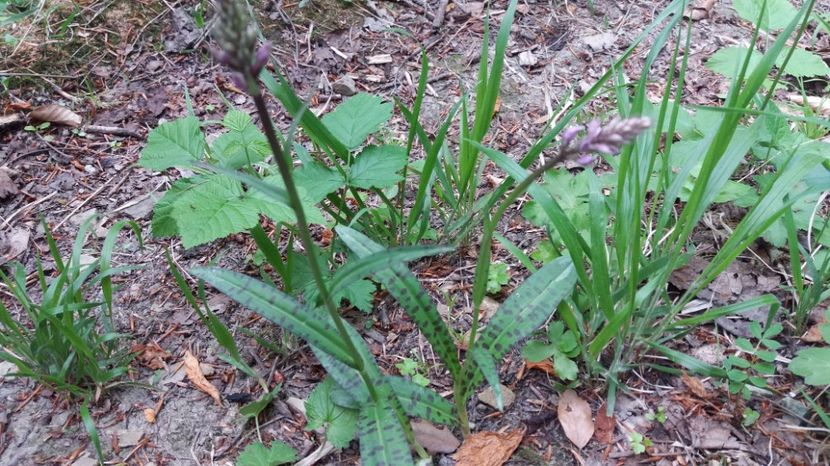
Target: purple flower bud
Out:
[585,159]
[239,81]
[569,134]
[261,58]
[221,57]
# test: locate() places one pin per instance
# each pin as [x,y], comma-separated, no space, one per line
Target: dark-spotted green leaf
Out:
[310,324]
[382,441]
[346,377]
[403,285]
[356,269]
[488,368]
[422,402]
[525,310]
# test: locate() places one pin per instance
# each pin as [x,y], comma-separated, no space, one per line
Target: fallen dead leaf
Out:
[151,355]
[818,103]
[605,426]
[321,452]
[488,448]
[699,9]
[13,243]
[575,416]
[489,398]
[7,186]
[695,386]
[197,378]
[545,366]
[150,415]
[56,114]
[432,438]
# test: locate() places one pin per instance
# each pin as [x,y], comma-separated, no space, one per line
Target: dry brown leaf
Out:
[488,448]
[575,416]
[432,438]
[604,432]
[819,104]
[151,355]
[695,386]
[56,114]
[545,366]
[150,415]
[13,243]
[7,186]
[700,9]
[197,378]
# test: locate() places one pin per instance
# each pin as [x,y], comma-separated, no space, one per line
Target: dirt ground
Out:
[127,65]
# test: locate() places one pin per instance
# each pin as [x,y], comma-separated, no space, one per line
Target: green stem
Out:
[284,165]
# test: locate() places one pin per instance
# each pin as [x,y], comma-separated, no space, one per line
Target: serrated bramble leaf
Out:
[178,143]
[356,118]
[257,454]
[310,324]
[777,14]
[242,145]
[378,167]
[164,222]
[213,208]
[814,365]
[382,441]
[340,423]
[318,180]
[278,211]
[422,402]
[803,64]
[729,60]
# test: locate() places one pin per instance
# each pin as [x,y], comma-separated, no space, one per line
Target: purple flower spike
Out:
[608,138]
[569,134]
[585,159]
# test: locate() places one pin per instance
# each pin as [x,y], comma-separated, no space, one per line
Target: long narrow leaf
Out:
[382,440]
[422,402]
[403,285]
[309,324]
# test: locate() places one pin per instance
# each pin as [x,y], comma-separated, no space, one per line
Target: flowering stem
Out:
[284,165]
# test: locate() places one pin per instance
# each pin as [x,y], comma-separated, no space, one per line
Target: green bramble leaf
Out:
[178,143]
[257,454]
[212,208]
[378,167]
[814,365]
[777,14]
[729,60]
[318,180]
[340,423]
[356,118]
[242,145]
